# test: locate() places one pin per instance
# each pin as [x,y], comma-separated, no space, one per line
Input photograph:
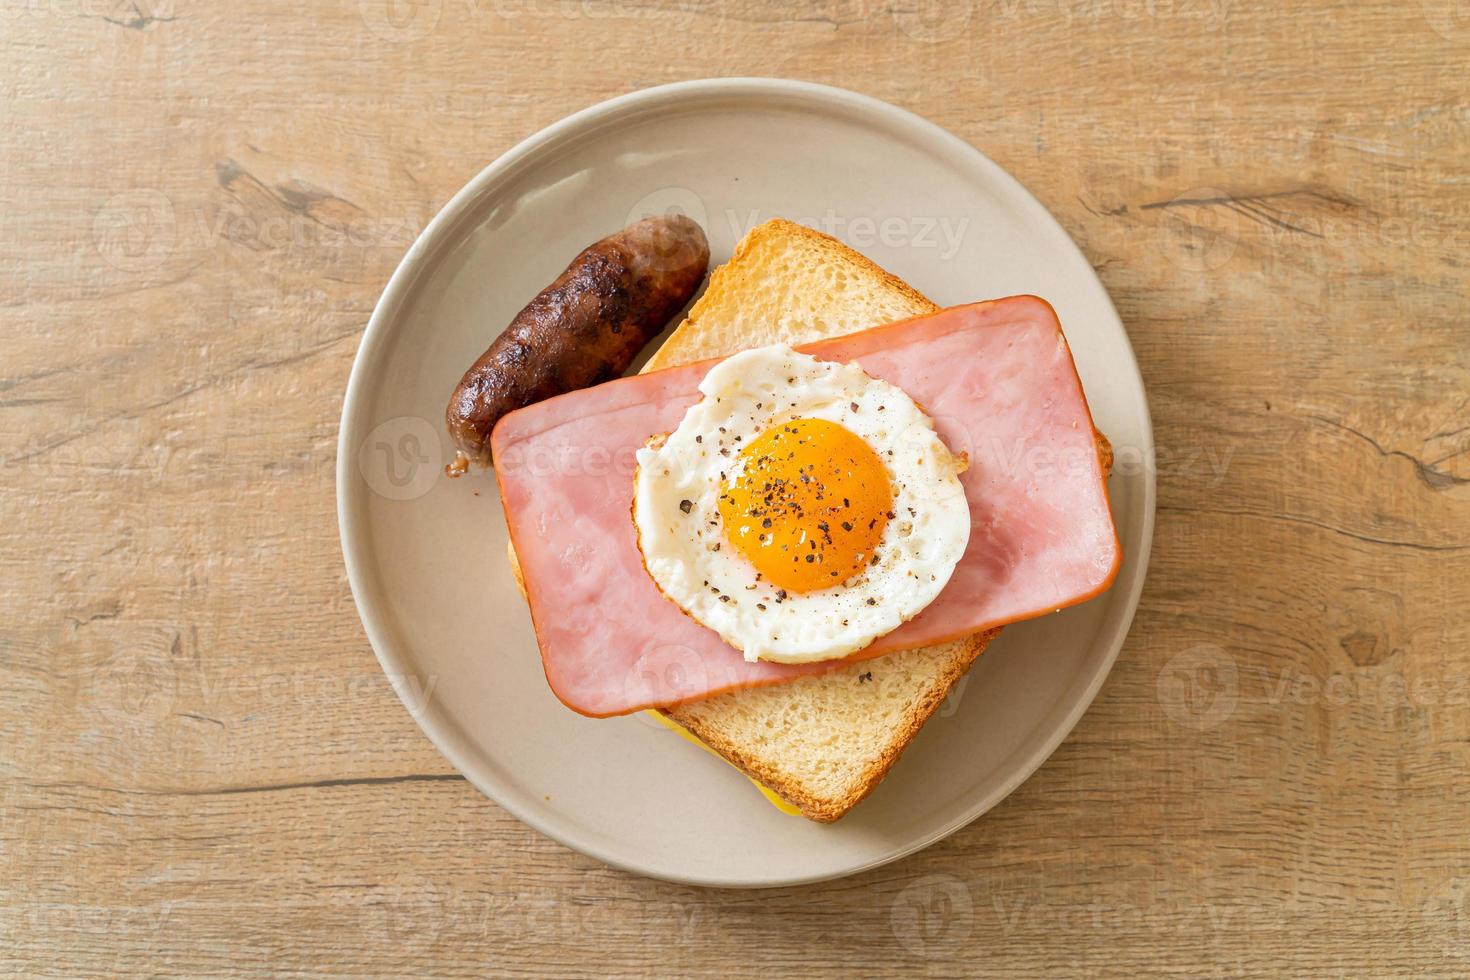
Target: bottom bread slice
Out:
[823,742]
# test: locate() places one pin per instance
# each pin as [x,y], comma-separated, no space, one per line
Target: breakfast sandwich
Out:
[794,532]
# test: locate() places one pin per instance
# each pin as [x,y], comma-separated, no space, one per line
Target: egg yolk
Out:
[808,506]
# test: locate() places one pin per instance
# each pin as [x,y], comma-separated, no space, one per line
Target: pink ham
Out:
[999,382]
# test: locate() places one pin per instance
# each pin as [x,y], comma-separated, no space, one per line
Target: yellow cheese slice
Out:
[684,733]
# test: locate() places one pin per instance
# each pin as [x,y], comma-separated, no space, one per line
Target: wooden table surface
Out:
[202,768]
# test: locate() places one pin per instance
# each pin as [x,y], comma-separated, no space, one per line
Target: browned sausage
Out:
[583,329]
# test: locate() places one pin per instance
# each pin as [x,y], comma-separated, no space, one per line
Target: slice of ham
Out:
[998,380]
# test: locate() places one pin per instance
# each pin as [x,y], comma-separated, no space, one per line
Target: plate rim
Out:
[439,234]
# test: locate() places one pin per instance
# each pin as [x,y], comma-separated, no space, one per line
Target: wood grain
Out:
[203,769]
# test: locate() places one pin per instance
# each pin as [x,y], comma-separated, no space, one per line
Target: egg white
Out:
[687,553]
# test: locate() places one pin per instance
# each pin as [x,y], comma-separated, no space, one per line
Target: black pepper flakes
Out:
[686,505]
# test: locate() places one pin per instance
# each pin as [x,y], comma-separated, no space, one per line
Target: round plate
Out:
[426,554]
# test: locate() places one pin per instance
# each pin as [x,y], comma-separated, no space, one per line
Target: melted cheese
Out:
[685,734]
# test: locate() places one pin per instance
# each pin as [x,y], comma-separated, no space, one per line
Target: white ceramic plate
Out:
[426,555]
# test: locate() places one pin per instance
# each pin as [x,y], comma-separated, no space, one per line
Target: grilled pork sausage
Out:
[583,329]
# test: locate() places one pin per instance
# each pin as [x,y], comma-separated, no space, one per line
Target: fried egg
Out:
[801,509]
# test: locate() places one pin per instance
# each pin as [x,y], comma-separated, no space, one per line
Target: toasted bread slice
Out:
[823,742]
